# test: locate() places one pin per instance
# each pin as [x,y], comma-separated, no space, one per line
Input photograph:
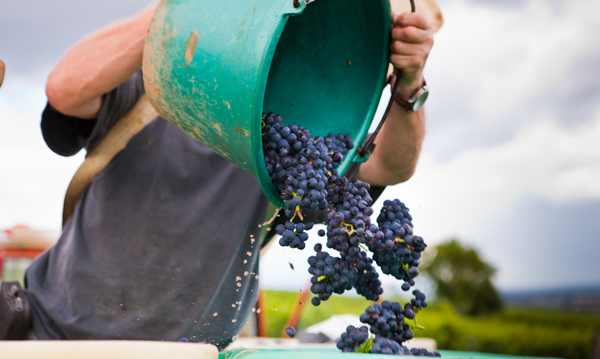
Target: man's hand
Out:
[399,143]
[412,40]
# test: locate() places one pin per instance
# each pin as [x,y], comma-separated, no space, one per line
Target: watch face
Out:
[420,101]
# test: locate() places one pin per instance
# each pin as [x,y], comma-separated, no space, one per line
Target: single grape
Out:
[291,332]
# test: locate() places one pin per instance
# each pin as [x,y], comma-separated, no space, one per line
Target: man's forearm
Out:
[397,148]
[398,144]
[96,65]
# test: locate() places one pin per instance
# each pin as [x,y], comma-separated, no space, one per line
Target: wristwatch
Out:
[414,103]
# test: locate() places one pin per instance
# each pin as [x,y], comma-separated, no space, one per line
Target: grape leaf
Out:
[366,346]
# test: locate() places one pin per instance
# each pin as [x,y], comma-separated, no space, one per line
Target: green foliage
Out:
[463,278]
[366,347]
[541,334]
[569,320]
[280,304]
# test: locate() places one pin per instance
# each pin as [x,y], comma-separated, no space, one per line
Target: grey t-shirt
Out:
[164,244]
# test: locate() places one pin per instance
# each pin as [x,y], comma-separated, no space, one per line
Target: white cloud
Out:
[543,158]
[33,180]
[514,52]
[493,69]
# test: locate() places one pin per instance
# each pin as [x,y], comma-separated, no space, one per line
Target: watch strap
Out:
[407,104]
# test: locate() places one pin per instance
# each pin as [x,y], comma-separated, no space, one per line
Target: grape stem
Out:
[272,218]
[351,231]
[299,213]
[416,325]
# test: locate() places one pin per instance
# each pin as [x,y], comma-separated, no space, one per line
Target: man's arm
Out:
[399,142]
[96,65]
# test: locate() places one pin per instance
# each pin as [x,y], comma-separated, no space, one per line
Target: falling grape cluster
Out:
[300,165]
[303,169]
[387,321]
[293,234]
[353,339]
[329,275]
[349,223]
[395,248]
[367,281]
[386,346]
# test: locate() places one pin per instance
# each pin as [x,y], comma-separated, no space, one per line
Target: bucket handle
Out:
[365,151]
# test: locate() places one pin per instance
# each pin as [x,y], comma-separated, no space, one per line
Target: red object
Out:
[24,242]
[17,253]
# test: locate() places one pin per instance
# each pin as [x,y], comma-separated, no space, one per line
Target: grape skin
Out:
[290,331]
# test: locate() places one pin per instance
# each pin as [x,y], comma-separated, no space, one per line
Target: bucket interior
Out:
[329,67]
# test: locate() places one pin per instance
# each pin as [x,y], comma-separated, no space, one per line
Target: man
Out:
[160,246]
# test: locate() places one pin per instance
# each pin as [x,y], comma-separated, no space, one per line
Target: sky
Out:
[510,163]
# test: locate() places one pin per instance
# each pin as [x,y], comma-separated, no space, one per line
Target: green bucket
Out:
[211,67]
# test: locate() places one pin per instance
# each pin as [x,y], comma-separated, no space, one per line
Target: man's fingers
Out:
[403,48]
[405,62]
[406,48]
[2,69]
[411,34]
[412,19]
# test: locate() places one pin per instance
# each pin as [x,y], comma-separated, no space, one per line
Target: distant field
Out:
[519,331]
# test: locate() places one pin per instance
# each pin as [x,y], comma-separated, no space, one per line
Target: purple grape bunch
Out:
[329,275]
[353,339]
[386,320]
[293,234]
[386,346]
[303,169]
[299,164]
[423,353]
[418,302]
[349,223]
[367,280]
[395,248]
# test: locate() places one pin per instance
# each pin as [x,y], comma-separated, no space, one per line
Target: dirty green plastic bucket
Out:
[302,353]
[212,67]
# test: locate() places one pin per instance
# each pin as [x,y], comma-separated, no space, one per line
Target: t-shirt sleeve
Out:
[67,135]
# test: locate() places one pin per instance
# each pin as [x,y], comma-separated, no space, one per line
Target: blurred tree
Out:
[463,278]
